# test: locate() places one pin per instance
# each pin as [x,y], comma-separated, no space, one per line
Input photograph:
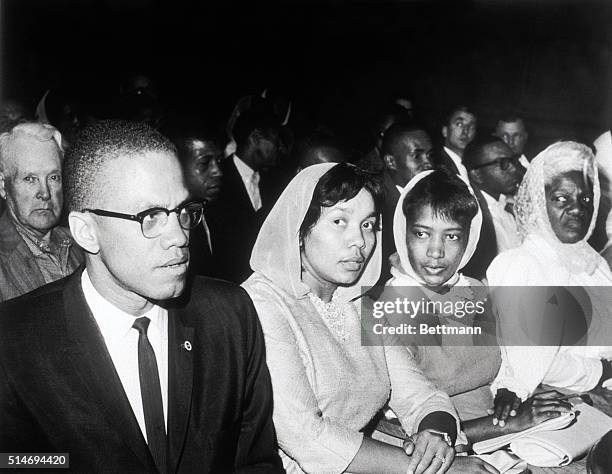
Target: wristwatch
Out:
[445,436]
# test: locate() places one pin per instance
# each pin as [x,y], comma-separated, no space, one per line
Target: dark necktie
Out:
[150,388]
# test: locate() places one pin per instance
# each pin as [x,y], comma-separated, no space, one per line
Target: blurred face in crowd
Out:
[337,248]
[203,174]
[498,170]
[32,184]
[386,122]
[315,155]
[513,134]
[133,269]
[413,154]
[460,131]
[569,204]
[435,246]
[265,149]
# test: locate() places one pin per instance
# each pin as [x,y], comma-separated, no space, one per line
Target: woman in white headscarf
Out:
[556,209]
[436,229]
[456,215]
[314,254]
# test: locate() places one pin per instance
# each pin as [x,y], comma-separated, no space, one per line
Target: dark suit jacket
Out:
[388,242]
[200,256]
[442,160]
[59,391]
[234,224]
[486,250]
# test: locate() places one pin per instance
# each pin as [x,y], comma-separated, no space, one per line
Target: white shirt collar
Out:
[458,163]
[244,170]
[112,321]
[500,202]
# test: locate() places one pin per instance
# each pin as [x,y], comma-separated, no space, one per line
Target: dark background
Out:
[340,60]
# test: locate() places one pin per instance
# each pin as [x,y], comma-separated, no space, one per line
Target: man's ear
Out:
[84,231]
[390,162]
[445,131]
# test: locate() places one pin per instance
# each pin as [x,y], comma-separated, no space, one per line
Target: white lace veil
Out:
[530,207]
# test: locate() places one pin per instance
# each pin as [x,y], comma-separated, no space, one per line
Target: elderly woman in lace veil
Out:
[556,209]
[315,252]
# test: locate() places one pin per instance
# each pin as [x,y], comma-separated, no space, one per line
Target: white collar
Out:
[244,170]
[453,155]
[111,320]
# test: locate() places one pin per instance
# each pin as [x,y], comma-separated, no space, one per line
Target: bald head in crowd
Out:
[406,151]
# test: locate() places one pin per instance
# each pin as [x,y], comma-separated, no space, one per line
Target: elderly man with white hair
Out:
[34,249]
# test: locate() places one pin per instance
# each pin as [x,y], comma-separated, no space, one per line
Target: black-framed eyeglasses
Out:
[152,221]
[504,163]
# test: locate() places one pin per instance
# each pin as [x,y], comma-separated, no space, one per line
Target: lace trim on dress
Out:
[332,316]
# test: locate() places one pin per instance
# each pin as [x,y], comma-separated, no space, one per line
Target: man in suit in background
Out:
[458,131]
[248,192]
[512,130]
[200,155]
[406,151]
[127,365]
[494,174]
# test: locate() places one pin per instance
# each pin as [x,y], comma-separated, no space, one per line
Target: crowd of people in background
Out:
[304,221]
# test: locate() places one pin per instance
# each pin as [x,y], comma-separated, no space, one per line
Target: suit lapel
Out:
[93,364]
[235,185]
[180,382]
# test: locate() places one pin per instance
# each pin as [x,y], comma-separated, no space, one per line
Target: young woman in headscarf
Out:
[316,250]
[556,209]
[436,229]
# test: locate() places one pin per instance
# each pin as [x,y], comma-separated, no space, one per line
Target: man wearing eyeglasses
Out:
[406,151]
[127,366]
[34,248]
[495,170]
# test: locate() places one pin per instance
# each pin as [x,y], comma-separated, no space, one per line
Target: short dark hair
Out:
[509,116]
[340,183]
[395,133]
[458,108]
[96,145]
[181,130]
[474,150]
[448,196]
[259,116]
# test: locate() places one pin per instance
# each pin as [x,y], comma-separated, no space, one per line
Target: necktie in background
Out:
[150,389]
[254,191]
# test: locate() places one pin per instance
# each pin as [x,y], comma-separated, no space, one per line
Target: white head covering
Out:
[399,235]
[276,254]
[530,206]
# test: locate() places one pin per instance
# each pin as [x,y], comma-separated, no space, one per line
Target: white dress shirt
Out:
[463,172]
[250,178]
[524,161]
[506,230]
[122,343]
